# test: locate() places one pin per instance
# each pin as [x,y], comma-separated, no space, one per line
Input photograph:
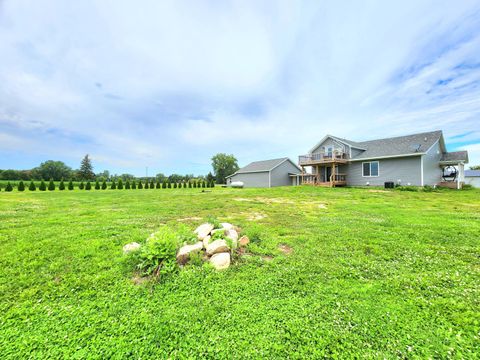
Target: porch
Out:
[329,157]
[328,176]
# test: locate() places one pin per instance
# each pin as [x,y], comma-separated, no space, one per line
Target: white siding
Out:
[432,172]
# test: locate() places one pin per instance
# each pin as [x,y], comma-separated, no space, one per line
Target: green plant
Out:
[9,187]
[467,187]
[407,188]
[214,221]
[120,184]
[32,186]
[134,184]
[88,186]
[254,233]
[61,186]
[97,185]
[218,235]
[203,184]
[43,186]
[152,184]
[113,185]
[164,184]
[169,185]
[189,184]
[158,185]
[21,186]
[194,184]
[146,184]
[51,185]
[104,185]
[81,186]
[140,185]
[127,185]
[174,185]
[158,255]
[70,185]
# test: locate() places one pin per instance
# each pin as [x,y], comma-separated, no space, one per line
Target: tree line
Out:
[113,185]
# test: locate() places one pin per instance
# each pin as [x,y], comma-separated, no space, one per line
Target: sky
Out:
[168,84]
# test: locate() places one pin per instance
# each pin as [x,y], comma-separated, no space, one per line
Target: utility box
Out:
[389,185]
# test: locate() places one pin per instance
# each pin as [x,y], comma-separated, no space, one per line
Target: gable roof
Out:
[345,141]
[472,173]
[263,166]
[455,156]
[409,145]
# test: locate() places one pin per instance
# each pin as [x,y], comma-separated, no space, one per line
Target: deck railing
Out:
[322,157]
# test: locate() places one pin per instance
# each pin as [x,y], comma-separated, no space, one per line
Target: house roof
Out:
[472,173]
[415,144]
[264,165]
[455,156]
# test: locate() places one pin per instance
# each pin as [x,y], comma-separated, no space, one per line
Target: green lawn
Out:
[371,274]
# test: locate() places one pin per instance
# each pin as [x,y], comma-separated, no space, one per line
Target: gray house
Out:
[472,177]
[266,173]
[418,159]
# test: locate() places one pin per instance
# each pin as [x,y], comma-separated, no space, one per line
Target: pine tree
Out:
[127,184]
[104,185]
[169,186]
[113,185]
[9,187]
[51,185]
[194,184]
[70,185]
[152,184]
[62,185]
[81,186]
[189,184]
[164,184]
[134,184]
[32,186]
[42,186]
[97,185]
[86,169]
[158,185]
[146,184]
[88,186]
[21,186]
[120,185]
[204,185]
[174,185]
[140,185]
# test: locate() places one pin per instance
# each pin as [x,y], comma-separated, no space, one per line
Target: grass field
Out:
[370,274]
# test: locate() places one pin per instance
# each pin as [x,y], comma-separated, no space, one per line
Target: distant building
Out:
[472,177]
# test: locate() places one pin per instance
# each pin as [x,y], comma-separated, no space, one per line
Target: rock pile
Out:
[217,244]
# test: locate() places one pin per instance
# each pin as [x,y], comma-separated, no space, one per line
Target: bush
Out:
[146,185]
[174,185]
[164,184]
[468,187]
[203,184]
[51,185]
[169,186]
[9,187]
[104,185]
[158,185]
[42,186]
[81,186]
[140,185]
[21,186]
[88,186]
[134,184]
[408,188]
[113,185]
[61,186]
[70,185]
[32,186]
[120,185]
[158,255]
[189,184]
[152,184]
[127,185]
[194,184]
[97,185]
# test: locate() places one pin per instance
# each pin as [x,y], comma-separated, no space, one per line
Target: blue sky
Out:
[167,84]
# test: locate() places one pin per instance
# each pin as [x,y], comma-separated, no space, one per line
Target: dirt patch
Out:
[285,249]
[139,280]
[256,216]
[322,206]
[193,218]
[267,258]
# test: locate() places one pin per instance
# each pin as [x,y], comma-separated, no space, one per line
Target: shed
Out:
[472,177]
[266,173]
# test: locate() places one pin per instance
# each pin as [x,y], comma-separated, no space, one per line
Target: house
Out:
[472,177]
[266,173]
[418,159]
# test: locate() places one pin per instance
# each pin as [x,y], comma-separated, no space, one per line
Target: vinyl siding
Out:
[356,152]
[328,142]
[432,172]
[252,180]
[279,175]
[406,169]
[473,180]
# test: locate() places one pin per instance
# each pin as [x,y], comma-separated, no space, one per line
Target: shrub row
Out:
[112,185]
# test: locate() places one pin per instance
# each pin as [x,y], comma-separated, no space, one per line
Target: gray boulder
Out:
[217,246]
[183,254]
[203,230]
[221,260]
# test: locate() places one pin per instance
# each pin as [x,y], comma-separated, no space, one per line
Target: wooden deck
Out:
[336,157]
[316,180]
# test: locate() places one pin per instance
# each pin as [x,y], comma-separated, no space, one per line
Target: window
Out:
[370,168]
